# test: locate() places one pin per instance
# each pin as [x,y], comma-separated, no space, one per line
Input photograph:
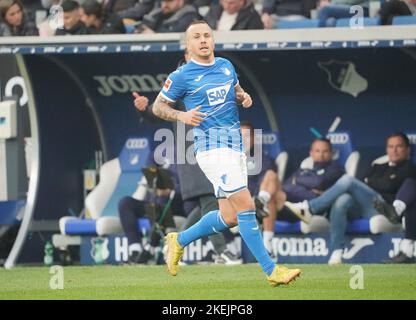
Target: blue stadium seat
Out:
[10,211]
[284,227]
[404,20]
[118,178]
[368,22]
[297,24]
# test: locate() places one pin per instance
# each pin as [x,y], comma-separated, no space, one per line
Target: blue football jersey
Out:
[210,86]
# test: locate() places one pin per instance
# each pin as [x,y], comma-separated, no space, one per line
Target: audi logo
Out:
[269,138]
[137,143]
[338,138]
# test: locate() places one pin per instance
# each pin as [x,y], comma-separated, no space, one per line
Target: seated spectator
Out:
[72,20]
[275,10]
[350,198]
[152,207]
[264,186]
[137,10]
[14,21]
[309,183]
[92,15]
[331,10]
[172,16]
[404,205]
[233,15]
[393,8]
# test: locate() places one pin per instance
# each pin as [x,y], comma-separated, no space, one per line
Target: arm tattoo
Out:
[162,108]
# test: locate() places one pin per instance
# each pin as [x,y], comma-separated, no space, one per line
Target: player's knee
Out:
[231,221]
[280,197]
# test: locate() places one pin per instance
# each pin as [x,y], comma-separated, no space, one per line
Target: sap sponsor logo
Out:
[137,143]
[357,244]
[15,86]
[108,85]
[343,76]
[217,95]
[299,247]
[338,138]
[412,138]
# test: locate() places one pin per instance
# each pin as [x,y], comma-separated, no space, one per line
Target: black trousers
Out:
[407,194]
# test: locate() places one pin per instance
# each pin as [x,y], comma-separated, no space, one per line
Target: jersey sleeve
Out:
[174,87]
[235,82]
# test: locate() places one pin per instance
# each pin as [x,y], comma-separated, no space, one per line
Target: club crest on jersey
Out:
[167,84]
[226,71]
[217,95]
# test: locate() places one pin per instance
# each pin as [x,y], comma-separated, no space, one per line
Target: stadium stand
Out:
[404,20]
[367,22]
[297,24]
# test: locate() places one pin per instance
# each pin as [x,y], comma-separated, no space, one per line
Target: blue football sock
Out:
[250,232]
[209,224]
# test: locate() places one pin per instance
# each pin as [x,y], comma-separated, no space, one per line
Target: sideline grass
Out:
[245,282]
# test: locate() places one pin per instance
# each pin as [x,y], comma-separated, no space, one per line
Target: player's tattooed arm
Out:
[163,108]
[242,97]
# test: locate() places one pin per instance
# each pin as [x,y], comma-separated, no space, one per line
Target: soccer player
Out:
[210,90]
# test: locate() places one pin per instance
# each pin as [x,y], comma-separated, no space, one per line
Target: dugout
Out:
[79,100]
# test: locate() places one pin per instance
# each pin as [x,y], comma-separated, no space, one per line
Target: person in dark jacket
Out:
[137,10]
[233,15]
[350,198]
[93,16]
[274,10]
[310,182]
[14,21]
[403,207]
[393,8]
[172,16]
[72,20]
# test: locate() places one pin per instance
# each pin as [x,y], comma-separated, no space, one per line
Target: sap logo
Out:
[129,83]
[15,86]
[217,95]
[299,247]
[338,138]
[412,138]
[137,143]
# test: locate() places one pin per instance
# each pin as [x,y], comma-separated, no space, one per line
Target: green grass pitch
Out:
[245,282]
